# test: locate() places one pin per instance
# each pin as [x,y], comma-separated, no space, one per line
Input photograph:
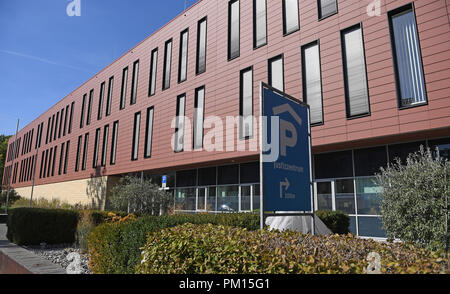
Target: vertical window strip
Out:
[136,130]
[105,145]
[276,72]
[179,130]
[54,160]
[233,29]
[49,162]
[153,70]
[71,117]
[355,79]
[123,93]
[167,64]
[61,157]
[149,133]
[51,128]
[100,101]
[291,22]
[42,165]
[312,81]
[66,157]
[109,100]
[66,114]
[61,123]
[201,46]
[246,104]
[199,112]
[96,146]
[326,8]
[115,135]
[83,106]
[260,23]
[77,159]
[89,109]
[182,64]
[134,82]
[85,150]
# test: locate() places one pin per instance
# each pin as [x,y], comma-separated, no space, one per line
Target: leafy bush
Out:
[413,203]
[32,226]
[140,196]
[337,221]
[44,203]
[13,197]
[210,249]
[115,248]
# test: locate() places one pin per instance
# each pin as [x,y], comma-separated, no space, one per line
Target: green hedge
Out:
[115,248]
[337,221]
[32,226]
[210,249]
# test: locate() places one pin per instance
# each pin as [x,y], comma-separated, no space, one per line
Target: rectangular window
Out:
[182,64]
[291,22]
[149,133]
[201,46]
[105,144]
[66,114]
[83,106]
[66,157]
[134,82]
[408,67]
[153,67]
[96,145]
[56,126]
[123,93]
[77,159]
[49,162]
[100,101]
[61,157]
[42,164]
[37,138]
[233,29]
[136,129]
[199,112]
[167,64]
[355,79]
[109,99]
[61,123]
[312,81]
[89,109]
[51,128]
[246,104]
[179,129]
[85,150]
[259,23]
[276,72]
[40,135]
[115,134]
[326,8]
[71,117]
[54,160]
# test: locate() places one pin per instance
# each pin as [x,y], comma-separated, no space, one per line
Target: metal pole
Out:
[12,167]
[261,189]
[34,175]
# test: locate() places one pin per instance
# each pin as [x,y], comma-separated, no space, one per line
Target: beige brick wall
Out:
[92,191]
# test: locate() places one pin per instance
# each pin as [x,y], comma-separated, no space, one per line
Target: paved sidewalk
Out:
[15,259]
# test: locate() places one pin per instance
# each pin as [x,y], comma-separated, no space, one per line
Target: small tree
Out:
[137,195]
[414,199]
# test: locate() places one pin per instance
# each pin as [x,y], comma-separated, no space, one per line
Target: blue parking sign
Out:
[285,153]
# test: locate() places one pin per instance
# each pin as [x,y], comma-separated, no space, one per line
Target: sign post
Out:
[285,156]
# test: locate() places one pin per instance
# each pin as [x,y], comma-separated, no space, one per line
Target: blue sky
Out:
[46,54]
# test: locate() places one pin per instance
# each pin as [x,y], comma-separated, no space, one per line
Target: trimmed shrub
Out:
[210,249]
[337,221]
[115,248]
[32,226]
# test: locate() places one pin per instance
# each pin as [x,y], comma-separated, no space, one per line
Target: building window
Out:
[233,29]
[109,99]
[96,145]
[49,162]
[66,158]
[83,106]
[43,165]
[148,133]
[312,81]
[48,129]
[355,78]
[167,64]
[71,118]
[100,101]
[54,160]
[153,67]
[201,46]
[66,114]
[60,124]
[182,64]
[408,67]
[105,145]
[199,111]
[77,159]
[51,128]
[134,82]
[246,103]
[276,72]
[37,139]
[115,134]
[85,150]
[123,93]
[259,23]
[326,8]
[89,109]
[179,128]
[61,157]
[55,135]
[136,129]
[291,22]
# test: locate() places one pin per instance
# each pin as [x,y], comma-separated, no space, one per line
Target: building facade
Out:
[375,74]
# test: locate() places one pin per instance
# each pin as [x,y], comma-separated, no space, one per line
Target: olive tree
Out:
[137,195]
[414,204]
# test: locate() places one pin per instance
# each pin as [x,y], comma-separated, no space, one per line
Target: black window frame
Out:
[85,151]
[153,75]
[255,46]
[177,115]
[180,56]
[134,83]
[96,148]
[114,138]
[285,32]
[72,106]
[123,92]
[100,101]
[241,103]
[149,132]
[89,109]
[269,68]
[105,145]
[197,90]
[66,157]
[230,3]
[197,59]
[109,98]
[319,10]
[167,69]
[77,159]
[136,131]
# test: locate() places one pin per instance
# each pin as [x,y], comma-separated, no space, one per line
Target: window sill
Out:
[413,105]
[358,116]
[327,16]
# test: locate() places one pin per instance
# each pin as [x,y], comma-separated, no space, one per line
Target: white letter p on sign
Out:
[74,8]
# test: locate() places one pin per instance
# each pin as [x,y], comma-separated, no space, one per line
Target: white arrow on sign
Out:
[285,184]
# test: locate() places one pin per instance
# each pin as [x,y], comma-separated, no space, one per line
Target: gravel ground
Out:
[58,255]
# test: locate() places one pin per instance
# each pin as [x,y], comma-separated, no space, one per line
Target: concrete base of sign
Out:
[297,223]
